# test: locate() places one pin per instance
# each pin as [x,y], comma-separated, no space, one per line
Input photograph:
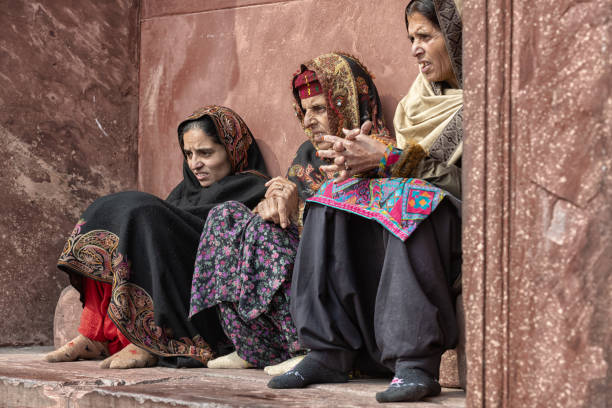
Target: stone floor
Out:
[26,381]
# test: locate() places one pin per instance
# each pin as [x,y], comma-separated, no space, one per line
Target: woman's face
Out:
[429,48]
[316,119]
[207,160]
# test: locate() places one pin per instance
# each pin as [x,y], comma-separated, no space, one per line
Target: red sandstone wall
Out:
[242,53]
[538,203]
[68,123]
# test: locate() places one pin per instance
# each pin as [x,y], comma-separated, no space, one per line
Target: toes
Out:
[106,362]
[53,357]
[120,364]
[62,354]
[131,357]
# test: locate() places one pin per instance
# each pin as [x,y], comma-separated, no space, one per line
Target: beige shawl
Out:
[422,115]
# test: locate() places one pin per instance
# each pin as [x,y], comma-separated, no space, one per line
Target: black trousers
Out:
[364,299]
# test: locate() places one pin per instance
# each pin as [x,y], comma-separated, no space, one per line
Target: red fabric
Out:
[95,323]
[307,85]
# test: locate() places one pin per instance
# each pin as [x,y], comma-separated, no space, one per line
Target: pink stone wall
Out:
[242,53]
[68,123]
[538,204]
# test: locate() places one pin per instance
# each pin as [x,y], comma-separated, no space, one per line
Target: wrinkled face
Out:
[207,160]
[315,118]
[429,48]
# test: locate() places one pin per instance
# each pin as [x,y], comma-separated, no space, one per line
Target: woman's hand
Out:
[280,202]
[355,154]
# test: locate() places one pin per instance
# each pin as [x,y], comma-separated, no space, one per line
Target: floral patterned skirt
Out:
[243,266]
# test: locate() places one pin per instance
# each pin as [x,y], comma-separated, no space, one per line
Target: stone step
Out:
[28,382]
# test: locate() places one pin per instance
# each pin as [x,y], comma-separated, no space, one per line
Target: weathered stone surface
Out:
[67,317]
[26,381]
[449,369]
[538,210]
[453,366]
[244,57]
[68,122]
[160,8]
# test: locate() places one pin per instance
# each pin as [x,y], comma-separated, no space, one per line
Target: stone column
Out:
[538,213]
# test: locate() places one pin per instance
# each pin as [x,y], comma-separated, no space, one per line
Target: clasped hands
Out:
[357,153]
[279,203]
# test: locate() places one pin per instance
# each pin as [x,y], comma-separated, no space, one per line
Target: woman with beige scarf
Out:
[381,247]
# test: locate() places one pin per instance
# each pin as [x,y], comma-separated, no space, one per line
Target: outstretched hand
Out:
[355,154]
[280,202]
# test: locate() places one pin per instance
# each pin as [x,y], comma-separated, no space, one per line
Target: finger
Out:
[285,194]
[332,138]
[273,191]
[339,161]
[350,134]
[366,128]
[343,175]
[327,154]
[339,147]
[269,211]
[262,210]
[330,168]
[282,212]
[281,185]
[274,181]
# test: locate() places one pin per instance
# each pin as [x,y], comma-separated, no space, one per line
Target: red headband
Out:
[307,85]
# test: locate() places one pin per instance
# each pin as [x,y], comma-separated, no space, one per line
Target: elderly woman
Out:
[131,255]
[373,273]
[246,268]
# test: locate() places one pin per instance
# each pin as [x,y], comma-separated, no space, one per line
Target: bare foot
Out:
[80,347]
[232,360]
[282,368]
[130,357]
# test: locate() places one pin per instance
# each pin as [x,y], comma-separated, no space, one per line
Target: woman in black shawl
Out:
[373,273]
[145,248]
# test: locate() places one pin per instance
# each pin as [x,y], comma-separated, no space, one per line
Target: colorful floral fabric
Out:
[267,340]
[244,265]
[398,204]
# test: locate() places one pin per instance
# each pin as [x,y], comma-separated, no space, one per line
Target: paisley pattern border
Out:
[94,255]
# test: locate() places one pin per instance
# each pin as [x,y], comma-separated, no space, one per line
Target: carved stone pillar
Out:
[538,207]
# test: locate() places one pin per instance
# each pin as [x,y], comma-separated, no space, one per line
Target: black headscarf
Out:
[245,184]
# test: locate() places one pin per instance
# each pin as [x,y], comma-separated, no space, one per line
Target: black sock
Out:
[308,371]
[409,384]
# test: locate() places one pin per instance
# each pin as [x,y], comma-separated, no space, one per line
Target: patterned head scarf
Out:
[349,90]
[307,85]
[351,98]
[245,185]
[449,18]
[233,133]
